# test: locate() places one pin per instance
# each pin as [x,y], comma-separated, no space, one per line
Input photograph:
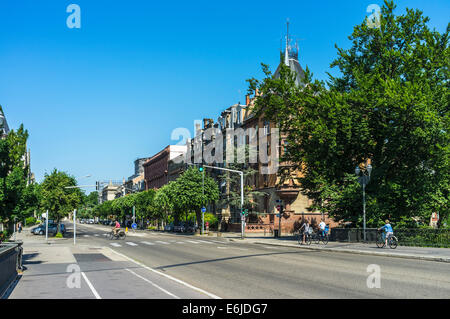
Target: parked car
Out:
[52,229]
[168,227]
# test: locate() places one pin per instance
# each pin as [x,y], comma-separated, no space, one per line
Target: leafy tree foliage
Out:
[389,105]
[56,198]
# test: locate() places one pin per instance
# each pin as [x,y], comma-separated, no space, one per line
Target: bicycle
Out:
[321,236]
[307,238]
[119,235]
[381,241]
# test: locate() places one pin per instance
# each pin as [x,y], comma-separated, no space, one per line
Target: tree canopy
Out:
[389,106]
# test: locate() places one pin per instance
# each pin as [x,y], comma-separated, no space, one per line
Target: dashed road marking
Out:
[153,284]
[191,241]
[162,242]
[147,243]
[116,245]
[131,243]
[206,242]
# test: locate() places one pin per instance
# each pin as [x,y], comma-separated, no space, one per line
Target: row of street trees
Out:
[389,104]
[175,200]
[20,199]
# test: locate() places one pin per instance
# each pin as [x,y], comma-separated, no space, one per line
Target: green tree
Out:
[144,204]
[188,195]
[58,199]
[13,174]
[389,106]
[164,201]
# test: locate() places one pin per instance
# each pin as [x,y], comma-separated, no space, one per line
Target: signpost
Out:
[46,226]
[74,226]
[203,219]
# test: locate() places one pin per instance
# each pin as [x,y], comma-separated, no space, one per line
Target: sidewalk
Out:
[61,270]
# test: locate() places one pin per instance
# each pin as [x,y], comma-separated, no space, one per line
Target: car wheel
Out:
[41,232]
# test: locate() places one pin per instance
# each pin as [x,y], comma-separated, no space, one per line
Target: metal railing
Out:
[424,237]
[10,263]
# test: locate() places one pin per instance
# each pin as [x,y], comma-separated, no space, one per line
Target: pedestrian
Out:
[20,227]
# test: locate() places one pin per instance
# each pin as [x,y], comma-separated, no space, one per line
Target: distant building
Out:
[156,168]
[4,128]
[110,192]
[4,131]
[136,183]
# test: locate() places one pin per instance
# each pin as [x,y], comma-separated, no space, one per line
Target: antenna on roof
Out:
[286,52]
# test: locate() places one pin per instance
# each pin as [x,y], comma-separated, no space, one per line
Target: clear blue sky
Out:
[94,99]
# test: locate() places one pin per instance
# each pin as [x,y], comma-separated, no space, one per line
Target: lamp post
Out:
[363,179]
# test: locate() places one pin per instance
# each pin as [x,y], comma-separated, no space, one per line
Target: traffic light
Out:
[200,168]
[97,186]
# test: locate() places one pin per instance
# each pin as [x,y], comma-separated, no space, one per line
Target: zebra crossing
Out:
[161,243]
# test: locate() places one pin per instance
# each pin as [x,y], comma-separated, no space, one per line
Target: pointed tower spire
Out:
[286,50]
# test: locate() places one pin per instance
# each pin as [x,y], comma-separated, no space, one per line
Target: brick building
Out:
[156,168]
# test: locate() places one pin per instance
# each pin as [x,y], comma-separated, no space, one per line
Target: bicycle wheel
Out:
[111,235]
[325,239]
[317,239]
[380,242]
[308,240]
[393,242]
[300,238]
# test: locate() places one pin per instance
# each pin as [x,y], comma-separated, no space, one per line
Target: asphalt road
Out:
[234,269]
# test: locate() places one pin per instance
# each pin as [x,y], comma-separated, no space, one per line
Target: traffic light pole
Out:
[203,195]
[242,191]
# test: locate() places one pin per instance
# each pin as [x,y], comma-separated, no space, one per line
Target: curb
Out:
[361,252]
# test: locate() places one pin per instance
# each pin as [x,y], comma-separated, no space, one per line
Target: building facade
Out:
[156,168]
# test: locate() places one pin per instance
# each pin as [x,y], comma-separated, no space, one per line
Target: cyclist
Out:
[322,226]
[305,227]
[116,228]
[388,231]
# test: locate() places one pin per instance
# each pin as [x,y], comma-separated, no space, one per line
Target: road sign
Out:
[134,226]
[203,209]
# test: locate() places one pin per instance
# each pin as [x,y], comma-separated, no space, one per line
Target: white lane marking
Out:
[86,235]
[168,276]
[204,241]
[181,242]
[147,243]
[96,235]
[116,245]
[153,284]
[222,247]
[219,242]
[191,241]
[162,242]
[130,243]
[91,286]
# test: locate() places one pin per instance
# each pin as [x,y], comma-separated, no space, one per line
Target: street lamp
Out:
[363,179]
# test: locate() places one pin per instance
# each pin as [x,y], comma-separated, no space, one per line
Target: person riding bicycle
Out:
[388,231]
[305,227]
[322,226]
[116,228]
